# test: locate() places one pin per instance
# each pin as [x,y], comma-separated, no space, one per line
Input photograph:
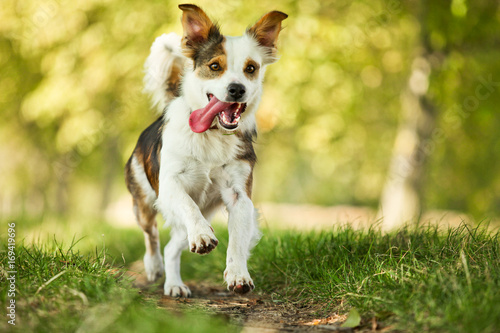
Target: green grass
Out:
[60,290]
[417,279]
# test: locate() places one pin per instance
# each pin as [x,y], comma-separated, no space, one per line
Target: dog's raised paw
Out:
[177,291]
[203,243]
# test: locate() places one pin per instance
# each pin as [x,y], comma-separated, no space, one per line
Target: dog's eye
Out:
[250,69]
[215,66]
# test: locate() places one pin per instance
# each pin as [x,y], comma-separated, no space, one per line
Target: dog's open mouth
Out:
[229,115]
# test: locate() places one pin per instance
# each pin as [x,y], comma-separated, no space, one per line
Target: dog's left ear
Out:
[197,27]
[267,29]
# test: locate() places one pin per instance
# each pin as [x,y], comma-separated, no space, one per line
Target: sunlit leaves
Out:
[71,81]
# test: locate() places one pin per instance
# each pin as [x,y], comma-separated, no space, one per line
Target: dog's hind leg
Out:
[144,198]
[173,282]
[153,263]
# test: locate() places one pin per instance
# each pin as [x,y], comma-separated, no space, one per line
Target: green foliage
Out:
[72,107]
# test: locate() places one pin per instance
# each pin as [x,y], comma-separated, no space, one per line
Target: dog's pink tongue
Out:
[201,119]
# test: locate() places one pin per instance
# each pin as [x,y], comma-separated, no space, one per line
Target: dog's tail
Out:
[163,69]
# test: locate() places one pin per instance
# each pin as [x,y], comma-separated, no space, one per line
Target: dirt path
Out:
[254,312]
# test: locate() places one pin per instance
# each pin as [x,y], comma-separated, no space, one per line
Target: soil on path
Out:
[254,312]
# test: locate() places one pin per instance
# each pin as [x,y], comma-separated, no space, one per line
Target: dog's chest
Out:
[213,150]
[199,162]
[205,183]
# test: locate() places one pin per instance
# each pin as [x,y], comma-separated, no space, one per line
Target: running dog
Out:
[198,155]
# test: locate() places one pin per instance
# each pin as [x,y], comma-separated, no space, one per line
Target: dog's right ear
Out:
[197,28]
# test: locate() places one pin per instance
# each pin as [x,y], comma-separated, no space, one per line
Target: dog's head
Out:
[224,84]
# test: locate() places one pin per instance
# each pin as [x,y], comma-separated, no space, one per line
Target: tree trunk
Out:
[401,197]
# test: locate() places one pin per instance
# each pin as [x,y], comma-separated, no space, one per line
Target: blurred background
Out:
[387,108]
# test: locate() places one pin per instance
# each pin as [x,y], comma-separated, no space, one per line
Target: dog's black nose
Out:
[236,91]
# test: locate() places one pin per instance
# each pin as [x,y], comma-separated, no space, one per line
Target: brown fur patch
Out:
[130,180]
[204,71]
[174,81]
[249,184]
[148,152]
[144,212]
[255,73]
[248,155]
[212,48]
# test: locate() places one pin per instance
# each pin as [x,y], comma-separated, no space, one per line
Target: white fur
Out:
[173,282]
[143,182]
[165,52]
[199,171]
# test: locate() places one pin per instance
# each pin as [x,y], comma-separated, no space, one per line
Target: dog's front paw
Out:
[239,282]
[203,242]
[177,290]
[153,265]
